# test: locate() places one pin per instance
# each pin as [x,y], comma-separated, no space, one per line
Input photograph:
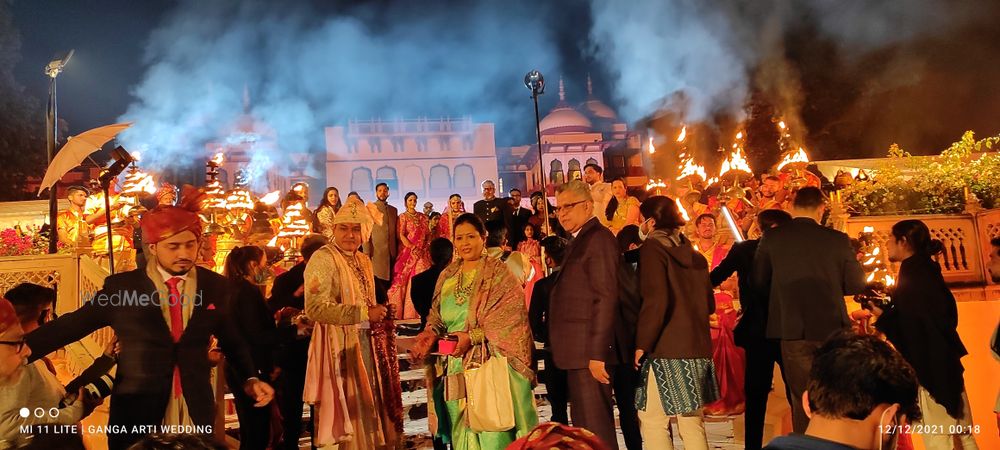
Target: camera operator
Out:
[32,387]
[921,323]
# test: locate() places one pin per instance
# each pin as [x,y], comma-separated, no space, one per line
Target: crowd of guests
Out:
[626,305]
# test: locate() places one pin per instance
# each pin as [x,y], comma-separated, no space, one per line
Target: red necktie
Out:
[176,324]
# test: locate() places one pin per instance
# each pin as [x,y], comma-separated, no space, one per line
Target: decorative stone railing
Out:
[966,239]
[73,277]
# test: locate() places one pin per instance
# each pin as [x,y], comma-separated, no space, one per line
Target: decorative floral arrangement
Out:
[907,185]
[19,241]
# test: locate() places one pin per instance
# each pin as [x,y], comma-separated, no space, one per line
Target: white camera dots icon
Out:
[24,412]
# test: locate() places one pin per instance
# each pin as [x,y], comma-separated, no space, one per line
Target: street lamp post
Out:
[52,136]
[536,83]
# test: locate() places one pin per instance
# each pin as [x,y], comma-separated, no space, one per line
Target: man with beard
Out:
[352,376]
[163,375]
[73,224]
[383,246]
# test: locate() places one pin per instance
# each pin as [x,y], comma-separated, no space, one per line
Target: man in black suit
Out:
[491,209]
[517,218]
[761,353]
[288,301]
[538,316]
[422,284]
[584,309]
[163,316]
[808,269]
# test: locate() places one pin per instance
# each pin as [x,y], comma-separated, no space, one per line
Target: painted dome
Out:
[563,118]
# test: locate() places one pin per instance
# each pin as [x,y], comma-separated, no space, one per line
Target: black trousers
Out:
[556,388]
[255,423]
[761,356]
[593,406]
[625,382]
[293,379]
[797,357]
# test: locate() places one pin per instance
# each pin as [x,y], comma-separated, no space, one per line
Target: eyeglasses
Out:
[566,207]
[18,345]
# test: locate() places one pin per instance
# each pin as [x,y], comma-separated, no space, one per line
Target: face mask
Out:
[888,441]
[642,234]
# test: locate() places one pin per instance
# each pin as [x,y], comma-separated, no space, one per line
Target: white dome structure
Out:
[563,119]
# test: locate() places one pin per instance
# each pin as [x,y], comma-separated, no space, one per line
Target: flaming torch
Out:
[294,226]
[879,280]
[215,201]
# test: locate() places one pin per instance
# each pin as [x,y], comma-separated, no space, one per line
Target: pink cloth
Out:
[730,360]
[533,249]
[325,386]
[411,261]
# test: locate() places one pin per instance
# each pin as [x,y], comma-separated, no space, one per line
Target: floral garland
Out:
[907,185]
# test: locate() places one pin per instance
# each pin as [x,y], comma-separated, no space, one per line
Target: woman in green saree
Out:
[478,301]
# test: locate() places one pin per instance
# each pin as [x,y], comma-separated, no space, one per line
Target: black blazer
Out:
[753,322]
[807,269]
[284,287]
[256,324]
[922,326]
[517,218]
[422,292]
[538,310]
[144,379]
[584,303]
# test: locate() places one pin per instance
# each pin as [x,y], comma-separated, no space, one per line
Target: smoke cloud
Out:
[308,67]
[821,65]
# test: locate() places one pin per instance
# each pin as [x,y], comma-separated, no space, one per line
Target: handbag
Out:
[489,405]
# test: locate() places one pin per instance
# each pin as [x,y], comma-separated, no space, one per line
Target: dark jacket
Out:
[538,310]
[677,299]
[807,269]
[256,323]
[584,301]
[922,326]
[284,287]
[144,378]
[753,322]
[422,292]
[516,218]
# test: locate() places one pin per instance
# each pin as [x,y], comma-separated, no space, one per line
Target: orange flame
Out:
[655,184]
[796,157]
[683,135]
[652,148]
[690,168]
[271,198]
[735,161]
[218,159]
[680,207]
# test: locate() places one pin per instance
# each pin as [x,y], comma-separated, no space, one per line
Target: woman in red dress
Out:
[413,257]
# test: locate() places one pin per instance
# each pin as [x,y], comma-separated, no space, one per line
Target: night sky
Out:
[860,75]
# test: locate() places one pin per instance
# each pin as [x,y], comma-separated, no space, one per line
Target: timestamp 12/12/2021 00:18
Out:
[930,429]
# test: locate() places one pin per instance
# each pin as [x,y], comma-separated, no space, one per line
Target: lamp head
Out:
[58,62]
[535,81]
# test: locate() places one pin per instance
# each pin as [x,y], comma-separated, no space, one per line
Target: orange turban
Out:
[8,317]
[163,222]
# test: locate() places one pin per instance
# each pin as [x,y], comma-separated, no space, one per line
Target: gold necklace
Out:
[462,292]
